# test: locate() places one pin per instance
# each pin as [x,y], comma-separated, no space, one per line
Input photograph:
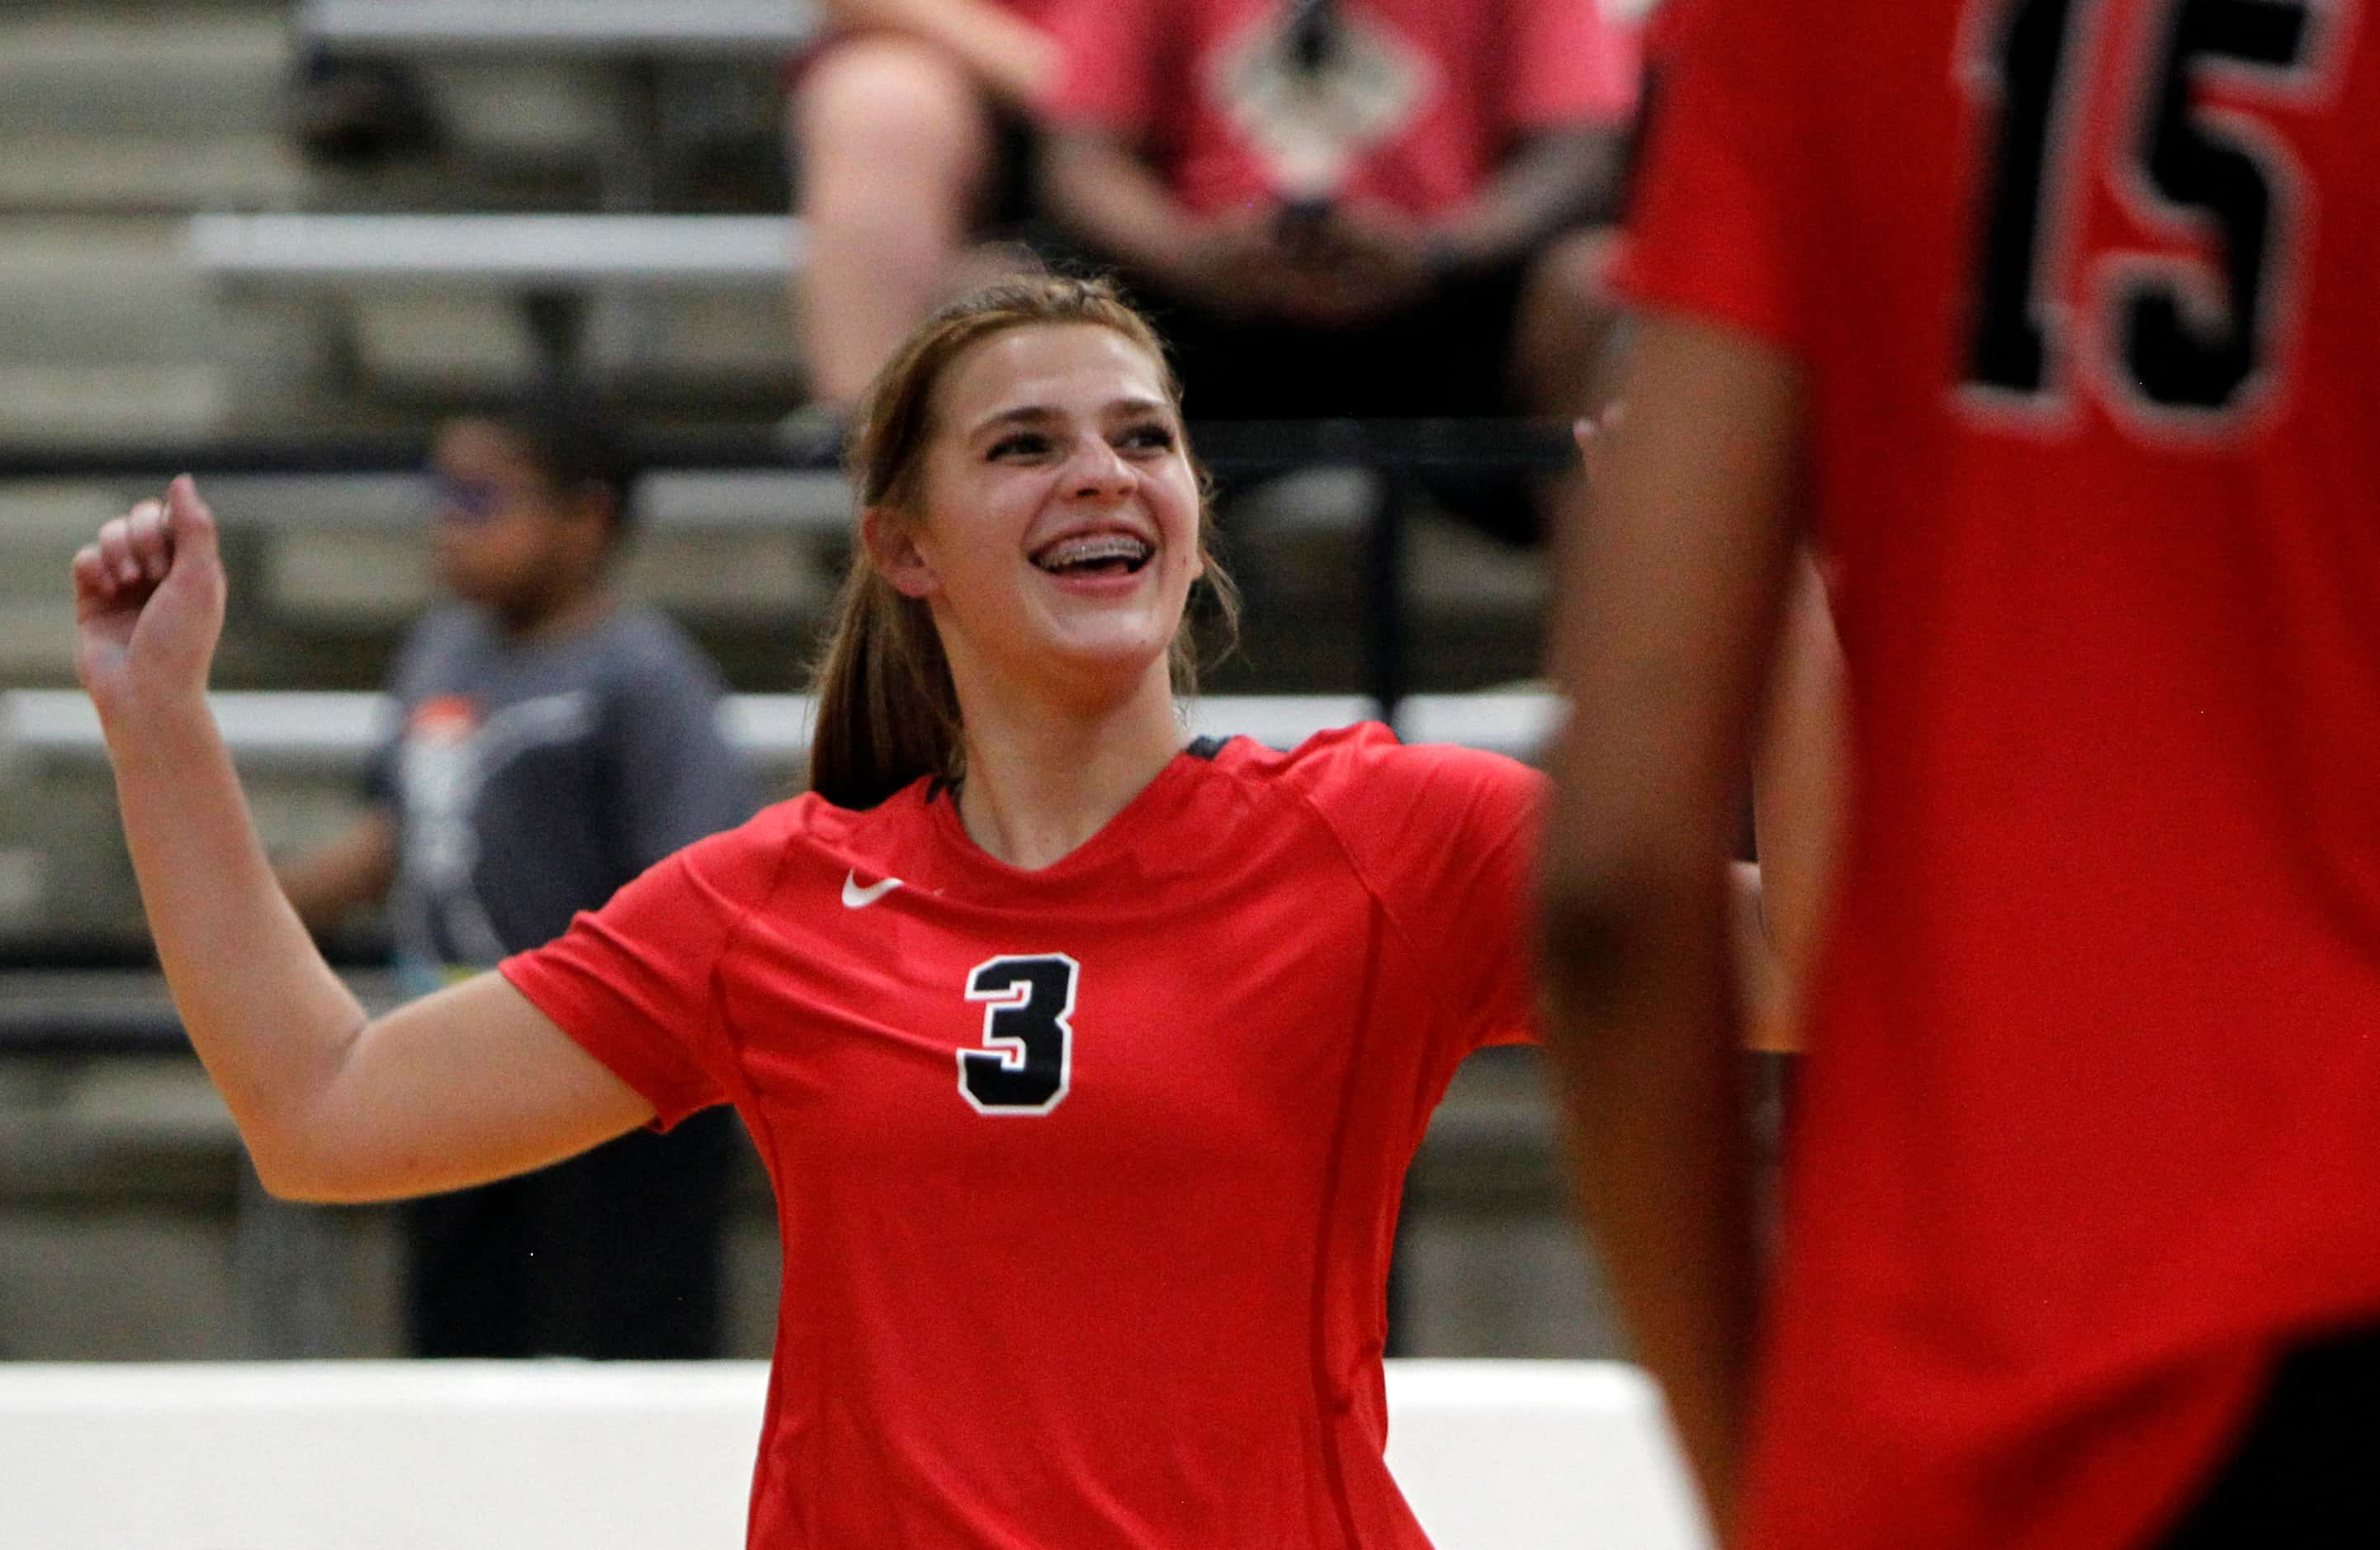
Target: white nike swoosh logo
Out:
[857,898]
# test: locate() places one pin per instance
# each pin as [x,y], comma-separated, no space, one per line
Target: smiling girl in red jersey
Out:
[2054,319]
[1086,1065]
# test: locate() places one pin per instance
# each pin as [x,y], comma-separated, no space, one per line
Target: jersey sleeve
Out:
[1446,838]
[633,982]
[1711,233]
[1113,55]
[1571,63]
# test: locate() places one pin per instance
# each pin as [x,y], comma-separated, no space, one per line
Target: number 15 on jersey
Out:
[2190,339]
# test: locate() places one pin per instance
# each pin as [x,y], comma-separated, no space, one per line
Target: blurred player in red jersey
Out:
[1086,1065]
[2053,321]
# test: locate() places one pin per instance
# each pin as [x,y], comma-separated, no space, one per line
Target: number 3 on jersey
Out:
[1029,1055]
[2181,343]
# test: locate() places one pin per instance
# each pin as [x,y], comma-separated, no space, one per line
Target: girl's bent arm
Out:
[466,1085]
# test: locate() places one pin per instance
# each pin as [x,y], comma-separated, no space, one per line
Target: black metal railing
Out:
[1403,456]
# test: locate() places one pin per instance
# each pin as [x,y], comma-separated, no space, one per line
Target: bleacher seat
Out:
[559,27]
[520,253]
[335,732]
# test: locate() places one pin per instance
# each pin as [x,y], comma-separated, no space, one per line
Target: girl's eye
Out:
[1029,443]
[1153,437]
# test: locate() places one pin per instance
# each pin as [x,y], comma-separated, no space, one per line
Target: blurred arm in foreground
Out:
[1671,592]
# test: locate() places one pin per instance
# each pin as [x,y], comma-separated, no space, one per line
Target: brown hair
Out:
[888,711]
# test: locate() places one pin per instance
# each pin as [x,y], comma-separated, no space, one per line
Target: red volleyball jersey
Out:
[2083,295]
[1087,1176]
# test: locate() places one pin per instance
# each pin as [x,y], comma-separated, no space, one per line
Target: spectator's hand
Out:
[1363,261]
[149,604]
[1238,267]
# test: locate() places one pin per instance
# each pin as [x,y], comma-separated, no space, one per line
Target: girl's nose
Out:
[1099,470]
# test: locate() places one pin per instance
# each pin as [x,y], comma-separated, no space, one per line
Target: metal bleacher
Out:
[608,27]
[333,732]
[303,752]
[176,292]
[550,267]
[526,252]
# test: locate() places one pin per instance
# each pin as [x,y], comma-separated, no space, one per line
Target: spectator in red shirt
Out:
[1378,208]
[908,136]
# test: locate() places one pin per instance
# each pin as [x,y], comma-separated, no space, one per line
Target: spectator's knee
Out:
[885,104]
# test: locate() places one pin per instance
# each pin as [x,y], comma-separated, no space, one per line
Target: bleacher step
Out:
[151,402]
[88,290]
[172,74]
[37,636]
[144,173]
[49,518]
[40,528]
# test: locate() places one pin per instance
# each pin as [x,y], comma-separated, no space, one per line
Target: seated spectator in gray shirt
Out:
[552,742]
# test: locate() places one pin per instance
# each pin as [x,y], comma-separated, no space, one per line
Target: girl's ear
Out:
[892,546]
